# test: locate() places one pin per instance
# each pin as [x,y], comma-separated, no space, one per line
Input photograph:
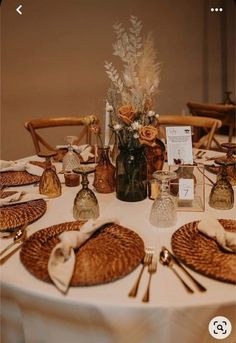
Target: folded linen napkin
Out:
[20,166]
[20,197]
[11,198]
[212,228]
[62,258]
[86,153]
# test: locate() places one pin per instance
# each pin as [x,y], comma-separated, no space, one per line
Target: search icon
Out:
[220,327]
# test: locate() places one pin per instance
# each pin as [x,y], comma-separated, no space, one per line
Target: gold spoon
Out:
[19,237]
[166,260]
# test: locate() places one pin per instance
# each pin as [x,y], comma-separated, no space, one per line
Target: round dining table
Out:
[33,311]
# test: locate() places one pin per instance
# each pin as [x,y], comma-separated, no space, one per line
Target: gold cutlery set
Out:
[149,262]
[19,236]
[166,258]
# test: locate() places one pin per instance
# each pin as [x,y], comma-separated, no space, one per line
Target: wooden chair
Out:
[225,113]
[211,124]
[37,124]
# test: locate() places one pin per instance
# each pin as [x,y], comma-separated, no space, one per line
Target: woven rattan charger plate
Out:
[17,178]
[111,253]
[20,178]
[14,216]
[203,254]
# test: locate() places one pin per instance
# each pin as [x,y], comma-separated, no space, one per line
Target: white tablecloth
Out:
[36,312]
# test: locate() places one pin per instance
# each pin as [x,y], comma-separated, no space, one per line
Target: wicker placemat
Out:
[203,254]
[5,194]
[13,216]
[111,253]
[17,178]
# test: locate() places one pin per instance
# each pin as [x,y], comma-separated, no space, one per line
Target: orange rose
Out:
[147,135]
[127,114]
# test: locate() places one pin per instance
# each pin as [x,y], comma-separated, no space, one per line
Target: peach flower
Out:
[148,135]
[126,113]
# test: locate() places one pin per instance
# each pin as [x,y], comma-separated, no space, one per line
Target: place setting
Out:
[82,253]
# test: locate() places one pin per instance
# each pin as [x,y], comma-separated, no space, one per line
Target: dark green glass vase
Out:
[131,174]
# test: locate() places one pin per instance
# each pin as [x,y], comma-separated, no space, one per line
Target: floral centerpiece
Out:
[130,104]
[133,89]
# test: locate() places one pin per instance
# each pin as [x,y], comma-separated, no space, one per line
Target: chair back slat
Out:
[33,126]
[226,113]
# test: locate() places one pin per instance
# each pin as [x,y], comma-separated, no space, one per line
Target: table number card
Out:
[179,145]
[186,189]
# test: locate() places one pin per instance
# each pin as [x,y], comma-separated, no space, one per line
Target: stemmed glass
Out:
[85,204]
[163,212]
[49,183]
[71,159]
[222,193]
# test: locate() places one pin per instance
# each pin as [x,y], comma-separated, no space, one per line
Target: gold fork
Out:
[152,268]
[146,262]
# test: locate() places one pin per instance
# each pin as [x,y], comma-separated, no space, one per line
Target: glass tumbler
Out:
[163,212]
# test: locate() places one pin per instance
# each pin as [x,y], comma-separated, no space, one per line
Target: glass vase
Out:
[131,174]
[104,178]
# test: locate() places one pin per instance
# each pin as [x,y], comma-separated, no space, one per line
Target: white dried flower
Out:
[151,114]
[136,125]
[136,135]
[157,115]
[117,127]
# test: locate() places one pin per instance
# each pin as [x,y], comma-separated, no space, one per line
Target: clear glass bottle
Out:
[49,183]
[163,211]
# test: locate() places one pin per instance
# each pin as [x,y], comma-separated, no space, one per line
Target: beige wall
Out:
[53,58]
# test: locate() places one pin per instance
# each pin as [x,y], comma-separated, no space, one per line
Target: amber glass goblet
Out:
[85,204]
[49,183]
[222,193]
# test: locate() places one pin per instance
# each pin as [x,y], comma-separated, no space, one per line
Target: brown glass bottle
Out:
[104,178]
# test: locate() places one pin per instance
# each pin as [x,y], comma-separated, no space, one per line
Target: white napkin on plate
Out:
[62,258]
[212,228]
[11,198]
[21,166]
[21,197]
